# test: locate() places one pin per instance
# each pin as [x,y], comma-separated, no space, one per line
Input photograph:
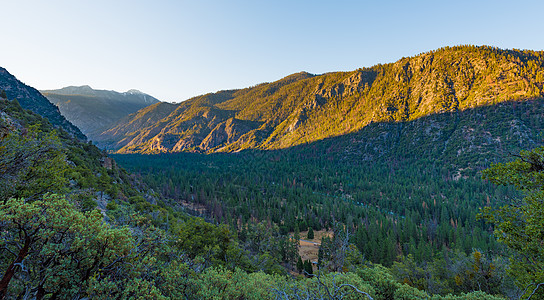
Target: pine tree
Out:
[300,264]
[308,267]
[310,233]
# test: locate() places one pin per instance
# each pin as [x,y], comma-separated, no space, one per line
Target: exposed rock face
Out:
[348,86]
[107,162]
[303,108]
[7,125]
[226,133]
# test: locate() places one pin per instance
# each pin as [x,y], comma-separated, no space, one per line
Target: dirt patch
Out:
[309,249]
[194,207]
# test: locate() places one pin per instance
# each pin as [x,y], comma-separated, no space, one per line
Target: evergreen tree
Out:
[292,248]
[310,233]
[320,256]
[308,267]
[300,264]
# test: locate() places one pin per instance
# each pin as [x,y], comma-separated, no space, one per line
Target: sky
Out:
[175,50]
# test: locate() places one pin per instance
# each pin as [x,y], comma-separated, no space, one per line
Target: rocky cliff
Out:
[304,108]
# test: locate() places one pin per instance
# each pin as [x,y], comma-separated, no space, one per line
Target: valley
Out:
[404,173]
[93,111]
[303,108]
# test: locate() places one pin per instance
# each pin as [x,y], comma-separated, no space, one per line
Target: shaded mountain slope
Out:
[456,143]
[93,111]
[303,108]
[29,98]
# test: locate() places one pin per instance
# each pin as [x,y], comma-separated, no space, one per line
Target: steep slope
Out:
[95,110]
[29,98]
[82,252]
[136,125]
[303,108]
[36,158]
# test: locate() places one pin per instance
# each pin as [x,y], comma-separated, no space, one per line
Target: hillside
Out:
[75,225]
[93,111]
[38,157]
[304,108]
[29,98]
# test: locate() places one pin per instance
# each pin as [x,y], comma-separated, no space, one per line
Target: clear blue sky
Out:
[175,50]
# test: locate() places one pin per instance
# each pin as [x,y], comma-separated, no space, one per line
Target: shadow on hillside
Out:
[470,138]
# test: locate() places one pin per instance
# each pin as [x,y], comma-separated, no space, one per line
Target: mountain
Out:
[108,232]
[29,98]
[95,110]
[304,108]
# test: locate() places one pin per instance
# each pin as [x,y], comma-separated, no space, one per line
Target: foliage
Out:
[31,99]
[409,203]
[37,158]
[520,223]
[304,108]
[31,164]
[310,235]
[336,253]
[49,248]
[413,210]
[456,272]
[326,286]
[195,237]
[300,264]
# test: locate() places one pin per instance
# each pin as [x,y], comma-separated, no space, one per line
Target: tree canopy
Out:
[519,224]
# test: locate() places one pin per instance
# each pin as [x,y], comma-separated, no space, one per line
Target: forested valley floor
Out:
[420,179]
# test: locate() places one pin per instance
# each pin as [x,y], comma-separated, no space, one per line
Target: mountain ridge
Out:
[303,107]
[30,98]
[94,110]
[87,90]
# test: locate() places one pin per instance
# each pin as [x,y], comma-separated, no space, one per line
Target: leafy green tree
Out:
[31,164]
[520,224]
[55,249]
[407,271]
[197,237]
[219,283]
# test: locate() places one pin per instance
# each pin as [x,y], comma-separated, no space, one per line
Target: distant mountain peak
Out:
[134,92]
[89,91]
[95,110]
[77,89]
